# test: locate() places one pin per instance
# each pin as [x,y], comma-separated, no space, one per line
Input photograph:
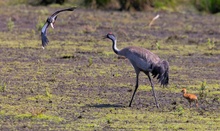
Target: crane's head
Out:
[110,36]
[51,21]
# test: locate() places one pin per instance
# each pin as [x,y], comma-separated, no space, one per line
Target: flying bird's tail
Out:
[164,80]
[162,72]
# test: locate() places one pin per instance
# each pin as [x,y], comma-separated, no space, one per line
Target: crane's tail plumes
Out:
[164,79]
[161,71]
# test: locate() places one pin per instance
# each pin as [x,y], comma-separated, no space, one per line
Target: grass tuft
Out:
[211,44]
[10,24]
[3,86]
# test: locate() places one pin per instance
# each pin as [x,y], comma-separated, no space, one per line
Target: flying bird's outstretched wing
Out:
[57,12]
[50,21]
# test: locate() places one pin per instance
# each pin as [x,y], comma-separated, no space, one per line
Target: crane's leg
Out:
[152,85]
[136,86]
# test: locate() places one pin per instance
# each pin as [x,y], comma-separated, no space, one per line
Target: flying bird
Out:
[50,21]
[145,61]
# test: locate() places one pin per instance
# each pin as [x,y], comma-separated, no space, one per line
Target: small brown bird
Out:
[190,97]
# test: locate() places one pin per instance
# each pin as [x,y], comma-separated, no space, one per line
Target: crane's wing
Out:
[142,58]
[44,39]
[54,15]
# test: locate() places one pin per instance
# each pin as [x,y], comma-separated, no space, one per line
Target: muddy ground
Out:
[78,83]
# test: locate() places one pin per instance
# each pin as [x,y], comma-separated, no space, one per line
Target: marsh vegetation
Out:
[78,83]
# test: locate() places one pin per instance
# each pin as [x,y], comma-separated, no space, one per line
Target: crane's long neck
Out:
[114,46]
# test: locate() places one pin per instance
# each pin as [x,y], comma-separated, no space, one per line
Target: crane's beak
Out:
[51,24]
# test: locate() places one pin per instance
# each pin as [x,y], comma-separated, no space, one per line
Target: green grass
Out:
[211,6]
[79,83]
[40,117]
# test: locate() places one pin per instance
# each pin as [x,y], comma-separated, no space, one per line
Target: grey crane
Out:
[145,61]
[50,21]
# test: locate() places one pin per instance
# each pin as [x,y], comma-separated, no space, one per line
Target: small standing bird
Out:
[190,97]
[145,61]
[50,21]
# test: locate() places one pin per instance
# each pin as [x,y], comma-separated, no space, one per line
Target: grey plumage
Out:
[145,61]
[50,21]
